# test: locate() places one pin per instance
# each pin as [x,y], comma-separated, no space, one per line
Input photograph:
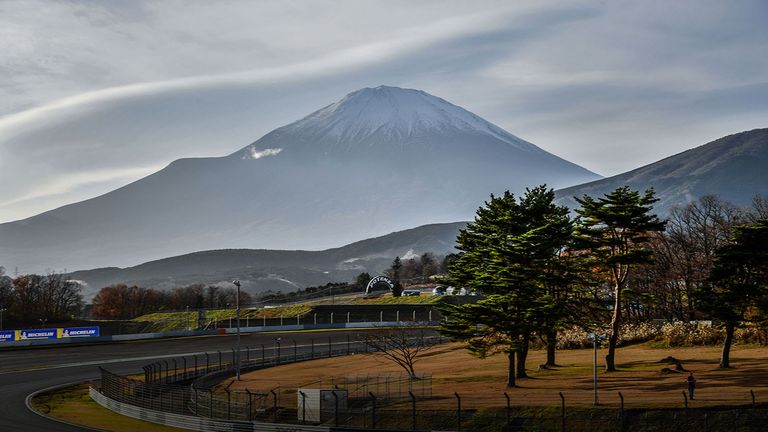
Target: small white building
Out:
[319,405]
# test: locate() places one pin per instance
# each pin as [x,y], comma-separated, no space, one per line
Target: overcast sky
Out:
[96,94]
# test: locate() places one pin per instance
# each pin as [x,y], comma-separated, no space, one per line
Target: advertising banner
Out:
[70,332]
[7,336]
[38,334]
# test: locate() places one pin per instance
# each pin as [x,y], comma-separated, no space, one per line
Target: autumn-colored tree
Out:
[124,302]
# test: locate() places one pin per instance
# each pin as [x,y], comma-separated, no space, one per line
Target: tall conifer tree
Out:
[615,230]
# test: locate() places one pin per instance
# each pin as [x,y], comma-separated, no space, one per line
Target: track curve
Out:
[23,372]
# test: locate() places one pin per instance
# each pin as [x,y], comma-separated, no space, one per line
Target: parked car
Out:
[409,293]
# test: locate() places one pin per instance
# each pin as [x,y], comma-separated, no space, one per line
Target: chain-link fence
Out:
[197,386]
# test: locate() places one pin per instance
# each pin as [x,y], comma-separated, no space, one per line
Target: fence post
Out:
[167,370]
[229,403]
[347,317]
[329,346]
[175,370]
[315,318]
[206,363]
[197,401]
[312,343]
[621,412]
[381,316]
[458,411]
[335,408]
[247,354]
[262,355]
[562,410]
[250,404]
[274,406]
[233,356]
[210,403]
[195,356]
[219,359]
[303,407]
[509,409]
[373,410]
[413,410]
[331,317]
[414,316]
[685,397]
[347,344]
[295,352]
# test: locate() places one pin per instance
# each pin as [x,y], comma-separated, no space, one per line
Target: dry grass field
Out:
[481,383]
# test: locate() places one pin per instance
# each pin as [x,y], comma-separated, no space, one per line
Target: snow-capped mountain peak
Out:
[384,114]
[379,160]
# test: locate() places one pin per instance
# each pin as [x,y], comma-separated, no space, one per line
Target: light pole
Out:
[595,338]
[237,316]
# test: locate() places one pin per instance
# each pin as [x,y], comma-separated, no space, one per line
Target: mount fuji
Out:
[379,160]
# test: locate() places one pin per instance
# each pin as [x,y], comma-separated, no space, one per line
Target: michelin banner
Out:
[51,333]
[71,332]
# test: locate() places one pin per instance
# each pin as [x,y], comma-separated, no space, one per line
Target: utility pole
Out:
[237,315]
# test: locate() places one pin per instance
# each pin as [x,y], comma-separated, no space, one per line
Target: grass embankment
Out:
[481,383]
[74,405]
[169,321]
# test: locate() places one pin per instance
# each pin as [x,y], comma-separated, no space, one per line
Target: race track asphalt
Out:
[23,372]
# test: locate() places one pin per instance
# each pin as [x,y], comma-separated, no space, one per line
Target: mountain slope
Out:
[732,167]
[260,270]
[380,160]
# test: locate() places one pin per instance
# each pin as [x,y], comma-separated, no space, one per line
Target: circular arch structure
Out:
[378,280]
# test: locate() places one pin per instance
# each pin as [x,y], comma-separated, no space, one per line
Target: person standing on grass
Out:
[691,384]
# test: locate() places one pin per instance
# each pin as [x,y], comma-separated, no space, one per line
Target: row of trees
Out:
[33,299]
[126,302]
[541,270]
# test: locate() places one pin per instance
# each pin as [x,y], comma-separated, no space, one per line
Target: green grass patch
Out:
[389,299]
[169,321]
[74,405]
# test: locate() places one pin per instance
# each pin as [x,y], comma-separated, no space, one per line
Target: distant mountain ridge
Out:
[734,167]
[380,160]
[261,270]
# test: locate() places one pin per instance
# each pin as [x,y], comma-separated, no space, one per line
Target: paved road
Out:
[25,371]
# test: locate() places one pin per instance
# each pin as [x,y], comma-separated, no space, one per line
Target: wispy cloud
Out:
[124,86]
[66,183]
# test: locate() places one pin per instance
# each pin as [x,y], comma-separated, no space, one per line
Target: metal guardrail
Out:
[192,422]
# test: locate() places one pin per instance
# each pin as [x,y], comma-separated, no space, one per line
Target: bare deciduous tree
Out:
[401,345]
